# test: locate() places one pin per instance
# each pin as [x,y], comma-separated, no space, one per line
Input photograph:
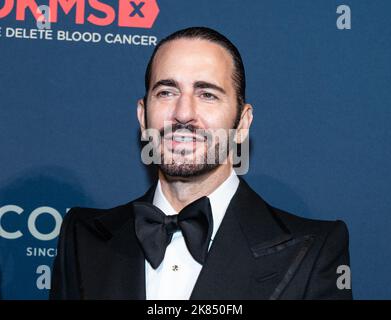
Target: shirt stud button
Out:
[175,267]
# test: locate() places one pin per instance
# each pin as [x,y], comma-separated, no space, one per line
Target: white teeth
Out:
[183,139]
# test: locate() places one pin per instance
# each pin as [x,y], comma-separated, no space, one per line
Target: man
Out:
[200,232]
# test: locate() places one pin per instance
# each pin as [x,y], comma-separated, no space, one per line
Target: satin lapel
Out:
[233,269]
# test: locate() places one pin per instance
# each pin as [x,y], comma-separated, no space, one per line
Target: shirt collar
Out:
[219,200]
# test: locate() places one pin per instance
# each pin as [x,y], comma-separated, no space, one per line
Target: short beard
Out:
[186,170]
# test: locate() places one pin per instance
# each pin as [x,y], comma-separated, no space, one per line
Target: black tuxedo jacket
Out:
[259,252]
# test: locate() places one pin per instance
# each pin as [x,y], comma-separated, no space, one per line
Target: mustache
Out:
[188,128]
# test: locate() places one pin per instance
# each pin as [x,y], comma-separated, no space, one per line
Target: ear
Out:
[141,116]
[246,119]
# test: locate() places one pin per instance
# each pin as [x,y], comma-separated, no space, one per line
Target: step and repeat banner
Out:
[71,71]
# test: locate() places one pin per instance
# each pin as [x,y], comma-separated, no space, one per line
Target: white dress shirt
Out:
[176,276]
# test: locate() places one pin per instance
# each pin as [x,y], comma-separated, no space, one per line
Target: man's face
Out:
[191,89]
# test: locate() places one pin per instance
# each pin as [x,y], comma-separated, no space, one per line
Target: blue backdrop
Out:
[321,138]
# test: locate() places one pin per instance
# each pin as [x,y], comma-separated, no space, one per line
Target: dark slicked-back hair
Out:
[203,33]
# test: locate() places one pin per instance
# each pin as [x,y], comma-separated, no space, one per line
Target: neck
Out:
[182,191]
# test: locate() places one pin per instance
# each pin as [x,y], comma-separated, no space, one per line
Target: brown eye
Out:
[208,96]
[164,94]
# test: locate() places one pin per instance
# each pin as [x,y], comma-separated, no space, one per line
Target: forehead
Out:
[193,60]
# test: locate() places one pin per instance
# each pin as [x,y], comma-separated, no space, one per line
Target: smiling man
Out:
[200,232]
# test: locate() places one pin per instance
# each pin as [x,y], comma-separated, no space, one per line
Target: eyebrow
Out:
[208,85]
[197,85]
[166,83]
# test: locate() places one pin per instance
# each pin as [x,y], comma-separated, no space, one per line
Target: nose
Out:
[185,109]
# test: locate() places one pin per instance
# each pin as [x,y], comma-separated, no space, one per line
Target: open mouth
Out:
[183,144]
[185,138]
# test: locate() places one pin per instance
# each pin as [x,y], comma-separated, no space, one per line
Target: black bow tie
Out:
[154,229]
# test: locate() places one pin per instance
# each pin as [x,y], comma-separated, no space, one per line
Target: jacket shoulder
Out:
[298,224]
[87,213]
